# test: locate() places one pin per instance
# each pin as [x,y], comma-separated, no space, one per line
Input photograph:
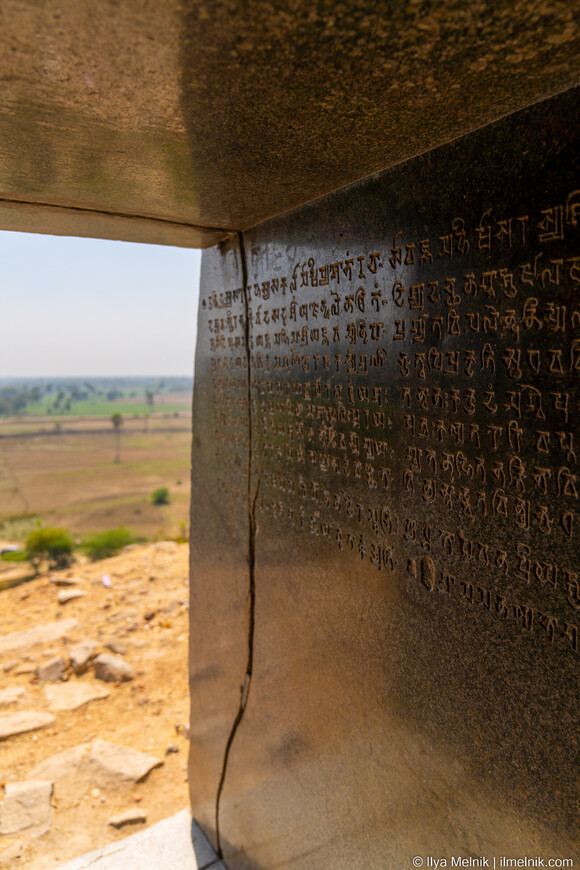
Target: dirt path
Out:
[144,616]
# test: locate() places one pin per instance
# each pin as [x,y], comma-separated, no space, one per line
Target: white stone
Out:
[65,581]
[72,695]
[13,695]
[62,765]
[130,817]
[121,762]
[12,852]
[26,807]
[12,724]
[100,763]
[66,595]
[47,633]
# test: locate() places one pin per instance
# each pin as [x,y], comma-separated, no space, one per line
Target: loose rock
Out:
[117,646]
[171,748]
[24,668]
[70,696]
[65,581]
[62,765]
[130,817]
[101,763]
[51,670]
[8,666]
[122,762]
[12,852]
[112,669]
[128,613]
[80,656]
[26,808]
[40,634]
[12,695]
[67,595]
[12,724]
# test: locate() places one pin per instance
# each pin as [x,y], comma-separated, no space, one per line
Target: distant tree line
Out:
[15,400]
[58,395]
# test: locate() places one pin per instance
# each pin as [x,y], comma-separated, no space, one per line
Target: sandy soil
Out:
[145,609]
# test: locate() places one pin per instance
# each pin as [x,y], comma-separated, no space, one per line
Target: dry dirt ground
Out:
[145,610]
[71,480]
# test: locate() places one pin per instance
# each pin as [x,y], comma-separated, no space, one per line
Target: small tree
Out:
[53,544]
[160,496]
[117,421]
[107,543]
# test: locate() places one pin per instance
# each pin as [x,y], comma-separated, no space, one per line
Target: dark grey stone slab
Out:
[177,123]
[388,544]
[204,852]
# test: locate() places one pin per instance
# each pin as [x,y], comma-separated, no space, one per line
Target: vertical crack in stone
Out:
[245,688]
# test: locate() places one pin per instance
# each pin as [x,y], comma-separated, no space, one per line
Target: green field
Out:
[105,408]
[93,396]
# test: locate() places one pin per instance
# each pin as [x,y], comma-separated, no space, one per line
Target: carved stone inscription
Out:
[386,514]
[414,404]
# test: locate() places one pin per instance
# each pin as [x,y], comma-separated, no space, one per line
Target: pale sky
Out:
[72,306]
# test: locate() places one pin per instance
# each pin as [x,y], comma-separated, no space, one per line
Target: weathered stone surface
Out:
[66,595]
[12,724]
[117,647]
[72,695]
[80,656]
[65,581]
[51,670]
[24,668]
[121,762]
[26,807]
[39,634]
[100,762]
[129,817]
[301,102]
[382,546]
[13,695]
[112,668]
[10,853]
[127,613]
[62,765]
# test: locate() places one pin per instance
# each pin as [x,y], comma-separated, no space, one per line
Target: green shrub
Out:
[105,544]
[160,496]
[53,544]
[14,556]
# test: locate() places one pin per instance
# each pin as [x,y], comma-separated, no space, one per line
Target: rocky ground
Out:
[93,704]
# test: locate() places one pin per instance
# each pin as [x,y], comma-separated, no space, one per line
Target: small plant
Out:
[55,545]
[160,496]
[182,536]
[14,556]
[105,544]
